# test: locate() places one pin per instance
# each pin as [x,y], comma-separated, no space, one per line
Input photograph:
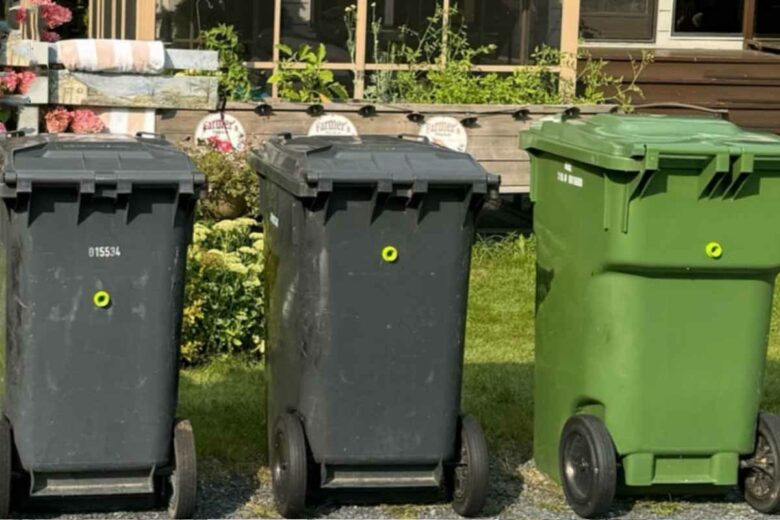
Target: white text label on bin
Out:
[568,178]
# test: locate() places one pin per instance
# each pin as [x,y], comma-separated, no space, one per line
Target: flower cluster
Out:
[220,145]
[81,121]
[52,13]
[13,82]
[223,313]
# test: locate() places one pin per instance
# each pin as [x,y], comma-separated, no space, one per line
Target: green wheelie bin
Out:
[658,249]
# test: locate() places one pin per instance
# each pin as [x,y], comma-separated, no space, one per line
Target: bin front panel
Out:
[637,323]
[92,386]
[379,344]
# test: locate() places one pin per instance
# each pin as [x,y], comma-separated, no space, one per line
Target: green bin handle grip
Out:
[714,250]
[101,299]
[390,254]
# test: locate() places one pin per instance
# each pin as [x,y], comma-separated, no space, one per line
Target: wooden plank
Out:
[133,91]
[146,20]
[15,52]
[361,39]
[29,120]
[39,91]
[175,59]
[570,34]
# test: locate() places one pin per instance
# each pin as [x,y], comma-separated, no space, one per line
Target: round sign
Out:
[333,125]
[447,132]
[223,131]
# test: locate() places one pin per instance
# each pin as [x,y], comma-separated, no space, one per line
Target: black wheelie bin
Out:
[368,247]
[94,233]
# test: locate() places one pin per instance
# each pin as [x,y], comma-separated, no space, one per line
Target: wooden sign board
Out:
[133,91]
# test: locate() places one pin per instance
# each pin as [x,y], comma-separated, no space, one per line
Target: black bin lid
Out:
[306,166]
[87,161]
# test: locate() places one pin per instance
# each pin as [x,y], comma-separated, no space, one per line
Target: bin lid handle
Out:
[413,137]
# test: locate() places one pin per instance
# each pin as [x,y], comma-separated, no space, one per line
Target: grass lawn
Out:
[225,400]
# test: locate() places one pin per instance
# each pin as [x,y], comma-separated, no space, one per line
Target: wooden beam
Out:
[146,22]
[133,91]
[749,21]
[23,53]
[361,39]
[400,66]
[570,33]
[445,22]
[277,41]
[175,59]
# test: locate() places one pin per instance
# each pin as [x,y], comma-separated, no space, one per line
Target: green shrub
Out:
[301,78]
[233,75]
[234,188]
[223,312]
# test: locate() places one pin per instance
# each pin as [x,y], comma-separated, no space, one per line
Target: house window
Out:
[768,19]
[392,21]
[179,23]
[311,23]
[625,20]
[708,17]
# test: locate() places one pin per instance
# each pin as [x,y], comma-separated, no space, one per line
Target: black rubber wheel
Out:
[760,477]
[6,461]
[289,464]
[588,466]
[184,479]
[471,473]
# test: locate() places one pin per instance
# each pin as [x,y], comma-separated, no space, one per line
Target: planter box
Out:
[493,130]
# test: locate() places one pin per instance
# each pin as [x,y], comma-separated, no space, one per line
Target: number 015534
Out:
[105,252]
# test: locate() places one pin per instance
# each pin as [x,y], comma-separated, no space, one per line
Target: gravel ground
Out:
[519,491]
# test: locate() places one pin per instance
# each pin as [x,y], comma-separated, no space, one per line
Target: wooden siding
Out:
[746,83]
[493,140]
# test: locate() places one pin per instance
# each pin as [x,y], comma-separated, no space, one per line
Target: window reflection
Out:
[708,16]
[312,23]
[768,18]
[617,19]
[179,23]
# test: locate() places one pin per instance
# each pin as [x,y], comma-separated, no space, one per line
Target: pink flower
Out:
[220,145]
[26,79]
[9,82]
[50,36]
[21,15]
[57,120]
[54,14]
[3,129]
[85,121]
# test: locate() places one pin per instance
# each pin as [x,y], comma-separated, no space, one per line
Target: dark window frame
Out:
[653,5]
[712,35]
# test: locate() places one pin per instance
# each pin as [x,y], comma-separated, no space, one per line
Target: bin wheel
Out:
[760,477]
[289,466]
[6,457]
[184,479]
[470,474]
[588,466]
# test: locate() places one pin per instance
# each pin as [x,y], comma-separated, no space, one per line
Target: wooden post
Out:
[749,22]
[445,22]
[361,38]
[277,41]
[570,33]
[125,19]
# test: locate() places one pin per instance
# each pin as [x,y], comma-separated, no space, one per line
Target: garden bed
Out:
[492,130]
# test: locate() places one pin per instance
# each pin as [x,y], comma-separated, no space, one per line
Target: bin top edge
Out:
[626,142]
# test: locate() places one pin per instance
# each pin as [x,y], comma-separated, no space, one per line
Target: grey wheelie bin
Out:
[94,234]
[368,244]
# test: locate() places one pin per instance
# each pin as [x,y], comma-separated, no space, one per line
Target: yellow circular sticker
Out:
[102,299]
[714,250]
[390,254]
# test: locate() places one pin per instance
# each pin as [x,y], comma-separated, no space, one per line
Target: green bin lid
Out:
[637,142]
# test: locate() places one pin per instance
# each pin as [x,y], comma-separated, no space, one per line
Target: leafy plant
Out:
[300,76]
[224,293]
[233,75]
[234,189]
[444,74]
